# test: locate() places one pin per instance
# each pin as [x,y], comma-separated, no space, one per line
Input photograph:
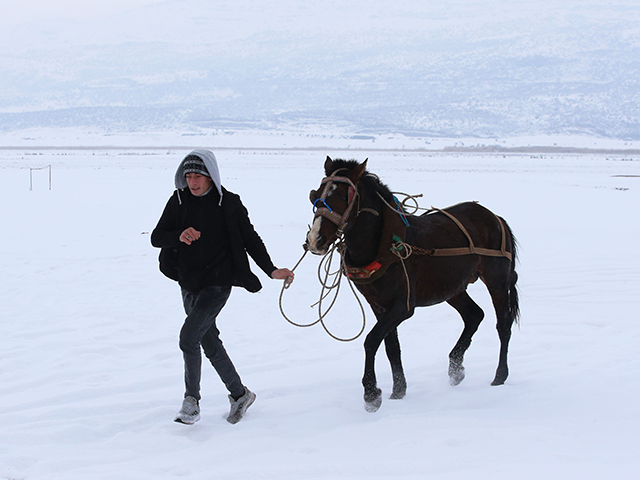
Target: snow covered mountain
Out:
[460,68]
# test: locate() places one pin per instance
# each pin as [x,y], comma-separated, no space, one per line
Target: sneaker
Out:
[190,411]
[238,407]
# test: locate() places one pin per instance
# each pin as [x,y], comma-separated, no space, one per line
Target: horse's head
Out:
[333,203]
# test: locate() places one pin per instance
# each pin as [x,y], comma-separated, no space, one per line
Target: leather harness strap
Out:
[471,249]
[402,251]
[399,249]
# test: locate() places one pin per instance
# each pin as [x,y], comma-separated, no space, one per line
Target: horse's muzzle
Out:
[317,245]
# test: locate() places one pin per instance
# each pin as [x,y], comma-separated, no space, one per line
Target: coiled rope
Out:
[330,282]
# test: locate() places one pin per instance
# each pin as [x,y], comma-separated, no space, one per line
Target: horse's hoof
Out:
[456,376]
[373,405]
[397,395]
[399,387]
[500,378]
[373,400]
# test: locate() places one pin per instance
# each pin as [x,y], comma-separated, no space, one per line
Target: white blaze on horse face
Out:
[312,236]
[314,233]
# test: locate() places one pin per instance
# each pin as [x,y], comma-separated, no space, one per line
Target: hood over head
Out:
[210,163]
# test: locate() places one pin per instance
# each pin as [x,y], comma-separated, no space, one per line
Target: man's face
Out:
[198,184]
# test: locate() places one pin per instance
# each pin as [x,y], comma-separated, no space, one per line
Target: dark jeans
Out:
[200,329]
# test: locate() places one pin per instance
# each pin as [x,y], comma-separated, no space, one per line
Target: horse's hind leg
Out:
[471,315]
[505,301]
[504,333]
[392,346]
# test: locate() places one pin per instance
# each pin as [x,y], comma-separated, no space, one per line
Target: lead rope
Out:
[327,286]
[404,253]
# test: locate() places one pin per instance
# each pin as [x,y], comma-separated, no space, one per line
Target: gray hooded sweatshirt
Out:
[210,162]
[243,237]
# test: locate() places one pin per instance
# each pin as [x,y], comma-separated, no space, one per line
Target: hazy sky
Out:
[453,67]
[25,10]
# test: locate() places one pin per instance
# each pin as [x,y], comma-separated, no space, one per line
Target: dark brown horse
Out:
[442,253]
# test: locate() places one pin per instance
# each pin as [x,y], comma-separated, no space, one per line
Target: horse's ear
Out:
[359,170]
[327,165]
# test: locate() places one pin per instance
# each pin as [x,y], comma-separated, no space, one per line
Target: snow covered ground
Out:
[91,373]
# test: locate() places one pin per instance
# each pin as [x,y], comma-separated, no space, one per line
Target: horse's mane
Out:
[369,180]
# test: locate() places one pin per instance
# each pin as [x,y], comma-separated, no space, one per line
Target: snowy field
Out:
[91,373]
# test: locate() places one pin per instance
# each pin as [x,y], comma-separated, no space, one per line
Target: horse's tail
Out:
[514,303]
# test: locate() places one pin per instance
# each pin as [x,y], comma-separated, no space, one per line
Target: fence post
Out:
[31,176]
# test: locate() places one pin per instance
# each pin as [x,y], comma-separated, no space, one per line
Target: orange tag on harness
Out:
[364,272]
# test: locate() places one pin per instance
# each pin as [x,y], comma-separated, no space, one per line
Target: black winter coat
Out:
[221,261]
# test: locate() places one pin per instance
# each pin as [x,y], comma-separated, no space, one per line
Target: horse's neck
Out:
[363,237]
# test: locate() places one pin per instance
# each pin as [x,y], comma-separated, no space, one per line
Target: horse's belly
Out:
[443,280]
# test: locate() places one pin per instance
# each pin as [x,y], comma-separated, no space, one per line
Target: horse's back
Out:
[436,229]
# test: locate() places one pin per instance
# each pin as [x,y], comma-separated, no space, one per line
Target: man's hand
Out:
[189,236]
[283,274]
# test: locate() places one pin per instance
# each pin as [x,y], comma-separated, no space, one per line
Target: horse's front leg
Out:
[392,346]
[385,326]
[372,394]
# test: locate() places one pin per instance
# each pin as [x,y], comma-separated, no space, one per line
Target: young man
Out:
[208,229]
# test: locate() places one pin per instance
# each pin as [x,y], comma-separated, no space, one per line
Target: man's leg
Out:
[202,309]
[219,358]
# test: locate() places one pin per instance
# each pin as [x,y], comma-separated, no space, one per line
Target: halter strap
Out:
[325,211]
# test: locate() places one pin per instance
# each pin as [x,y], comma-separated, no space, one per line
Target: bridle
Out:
[325,265]
[325,210]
